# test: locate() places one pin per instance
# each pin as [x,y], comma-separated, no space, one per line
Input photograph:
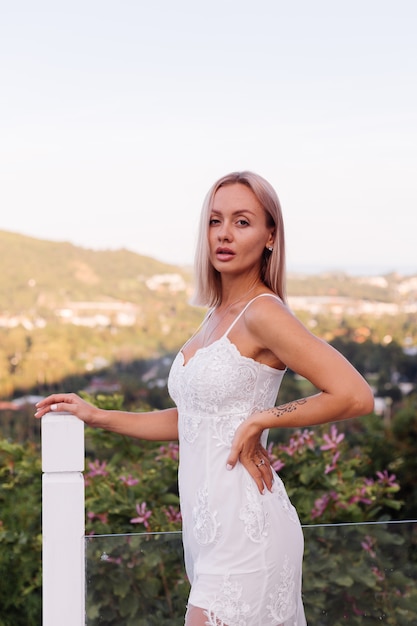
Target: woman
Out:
[242,538]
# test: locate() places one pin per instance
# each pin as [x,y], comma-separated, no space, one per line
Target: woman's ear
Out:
[271,240]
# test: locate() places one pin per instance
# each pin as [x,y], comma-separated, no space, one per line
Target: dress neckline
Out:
[225,336]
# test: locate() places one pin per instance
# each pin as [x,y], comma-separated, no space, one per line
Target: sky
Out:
[117,116]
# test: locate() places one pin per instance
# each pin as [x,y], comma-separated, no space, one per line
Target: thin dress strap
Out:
[271,295]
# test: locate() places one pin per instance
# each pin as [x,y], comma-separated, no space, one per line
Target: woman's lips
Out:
[224,254]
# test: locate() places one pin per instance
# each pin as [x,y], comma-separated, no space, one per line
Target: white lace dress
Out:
[243,550]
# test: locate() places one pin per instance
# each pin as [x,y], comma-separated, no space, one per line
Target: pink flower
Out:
[97,469]
[299,441]
[333,440]
[173,514]
[102,517]
[129,481]
[368,544]
[171,451]
[377,573]
[332,466]
[321,504]
[361,495]
[143,515]
[386,479]
[276,463]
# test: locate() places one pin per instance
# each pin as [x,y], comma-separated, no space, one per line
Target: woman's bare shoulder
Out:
[270,316]
[266,308]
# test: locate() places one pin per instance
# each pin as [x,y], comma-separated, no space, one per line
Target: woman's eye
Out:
[243,222]
[213,221]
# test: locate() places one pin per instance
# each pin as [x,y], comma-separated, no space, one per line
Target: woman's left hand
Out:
[247,448]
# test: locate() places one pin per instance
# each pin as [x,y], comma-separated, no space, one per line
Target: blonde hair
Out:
[207,279]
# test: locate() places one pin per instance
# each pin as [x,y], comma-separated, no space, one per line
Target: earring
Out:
[270,248]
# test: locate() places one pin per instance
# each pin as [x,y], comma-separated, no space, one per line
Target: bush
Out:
[20,534]
[131,487]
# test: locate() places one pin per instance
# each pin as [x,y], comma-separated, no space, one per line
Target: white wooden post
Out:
[63,526]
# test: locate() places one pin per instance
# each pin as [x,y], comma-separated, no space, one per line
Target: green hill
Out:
[67,311]
[38,273]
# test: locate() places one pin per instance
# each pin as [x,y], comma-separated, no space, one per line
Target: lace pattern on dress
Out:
[264,395]
[206,527]
[253,516]
[228,608]
[283,604]
[279,489]
[190,425]
[224,428]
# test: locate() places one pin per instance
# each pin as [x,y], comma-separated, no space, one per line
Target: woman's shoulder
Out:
[265,297]
[267,301]
[265,309]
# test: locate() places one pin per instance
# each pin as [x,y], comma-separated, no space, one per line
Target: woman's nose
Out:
[224,232]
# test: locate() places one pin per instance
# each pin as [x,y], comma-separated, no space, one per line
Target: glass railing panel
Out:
[358,574]
[353,574]
[135,580]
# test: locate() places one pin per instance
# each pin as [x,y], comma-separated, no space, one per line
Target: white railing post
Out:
[63,515]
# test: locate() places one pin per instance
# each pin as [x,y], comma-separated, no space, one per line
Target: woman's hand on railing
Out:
[67,403]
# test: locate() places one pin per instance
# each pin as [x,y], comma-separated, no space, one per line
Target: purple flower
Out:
[361,494]
[321,504]
[377,573]
[368,545]
[332,466]
[143,515]
[276,463]
[171,451]
[173,514]
[333,440]
[102,517]
[386,479]
[97,469]
[129,481]
[299,441]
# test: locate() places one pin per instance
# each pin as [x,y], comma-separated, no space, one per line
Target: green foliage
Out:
[136,580]
[350,572]
[327,480]
[360,574]
[401,440]
[20,534]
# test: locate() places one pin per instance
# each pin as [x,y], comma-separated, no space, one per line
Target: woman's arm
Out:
[155,425]
[343,392]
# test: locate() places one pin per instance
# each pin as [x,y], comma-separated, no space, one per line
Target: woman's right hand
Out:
[68,403]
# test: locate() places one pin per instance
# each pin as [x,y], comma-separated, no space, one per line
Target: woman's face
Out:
[238,231]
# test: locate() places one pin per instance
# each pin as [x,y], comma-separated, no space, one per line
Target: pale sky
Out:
[117,116]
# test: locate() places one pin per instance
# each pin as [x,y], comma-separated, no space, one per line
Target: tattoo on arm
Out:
[277,411]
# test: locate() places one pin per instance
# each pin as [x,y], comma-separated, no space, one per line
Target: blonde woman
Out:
[243,542]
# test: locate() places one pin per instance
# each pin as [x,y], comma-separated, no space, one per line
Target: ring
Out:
[261,462]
